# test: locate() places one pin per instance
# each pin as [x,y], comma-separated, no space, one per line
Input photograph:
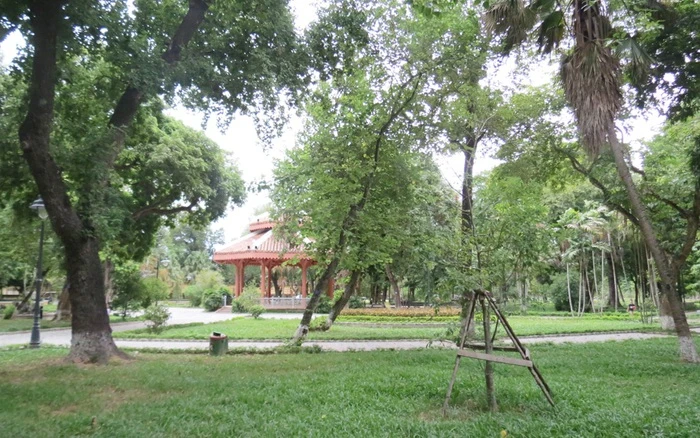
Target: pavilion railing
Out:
[284,302]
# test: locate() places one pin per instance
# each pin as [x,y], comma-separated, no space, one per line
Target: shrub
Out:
[156,316]
[129,290]
[256,310]
[209,279]
[557,291]
[689,306]
[237,306]
[212,298]
[194,294]
[324,305]
[357,302]
[422,312]
[8,312]
[154,290]
[250,297]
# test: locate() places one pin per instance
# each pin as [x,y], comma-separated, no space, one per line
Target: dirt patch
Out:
[110,398]
[65,410]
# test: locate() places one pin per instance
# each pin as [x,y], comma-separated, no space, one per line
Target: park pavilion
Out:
[260,247]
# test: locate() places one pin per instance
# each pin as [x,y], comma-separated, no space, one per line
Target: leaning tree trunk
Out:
[320,289]
[340,304]
[688,351]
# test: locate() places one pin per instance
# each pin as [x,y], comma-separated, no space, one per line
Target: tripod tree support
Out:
[468,349]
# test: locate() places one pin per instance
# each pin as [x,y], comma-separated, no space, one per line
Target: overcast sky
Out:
[256,162]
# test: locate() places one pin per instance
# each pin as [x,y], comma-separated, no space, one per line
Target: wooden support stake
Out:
[488,369]
[487,303]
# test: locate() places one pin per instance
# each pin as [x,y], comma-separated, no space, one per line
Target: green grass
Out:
[633,388]
[21,324]
[248,328]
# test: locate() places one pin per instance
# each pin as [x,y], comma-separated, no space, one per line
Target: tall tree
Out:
[590,74]
[186,50]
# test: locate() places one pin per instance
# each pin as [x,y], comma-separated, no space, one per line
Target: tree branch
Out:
[35,131]
[130,101]
[684,213]
[154,209]
[691,233]
[597,183]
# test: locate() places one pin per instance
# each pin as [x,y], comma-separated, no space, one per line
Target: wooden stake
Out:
[488,369]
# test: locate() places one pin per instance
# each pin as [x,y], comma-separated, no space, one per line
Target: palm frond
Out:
[510,19]
[590,75]
[551,31]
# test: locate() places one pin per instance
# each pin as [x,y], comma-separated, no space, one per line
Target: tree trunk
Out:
[568,289]
[320,289]
[274,276]
[339,305]
[63,306]
[109,270]
[613,298]
[394,285]
[92,335]
[467,220]
[688,352]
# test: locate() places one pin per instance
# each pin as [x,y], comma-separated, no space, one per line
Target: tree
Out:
[590,74]
[152,50]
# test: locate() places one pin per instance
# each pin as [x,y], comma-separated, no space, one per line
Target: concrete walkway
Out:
[61,337]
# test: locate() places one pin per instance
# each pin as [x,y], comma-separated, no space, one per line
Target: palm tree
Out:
[590,74]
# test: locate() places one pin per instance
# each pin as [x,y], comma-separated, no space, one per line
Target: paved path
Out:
[188,315]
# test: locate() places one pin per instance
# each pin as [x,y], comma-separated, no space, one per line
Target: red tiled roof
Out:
[259,244]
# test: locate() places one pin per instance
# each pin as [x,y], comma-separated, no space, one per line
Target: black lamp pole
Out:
[35,340]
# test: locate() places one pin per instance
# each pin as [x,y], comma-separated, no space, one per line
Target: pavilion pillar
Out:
[331,287]
[269,281]
[263,280]
[240,278]
[304,267]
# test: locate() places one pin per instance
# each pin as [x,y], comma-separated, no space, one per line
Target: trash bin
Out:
[218,344]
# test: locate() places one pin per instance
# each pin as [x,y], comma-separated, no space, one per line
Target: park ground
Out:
[610,389]
[630,388]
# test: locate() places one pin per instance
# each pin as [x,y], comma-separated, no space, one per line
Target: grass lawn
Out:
[632,388]
[248,328]
[19,324]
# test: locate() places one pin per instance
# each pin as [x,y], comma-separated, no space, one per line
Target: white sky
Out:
[256,162]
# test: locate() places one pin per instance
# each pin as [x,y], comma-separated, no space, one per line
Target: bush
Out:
[156,316]
[256,310]
[410,312]
[194,294]
[324,305]
[8,312]
[154,290]
[209,279]
[690,306]
[250,297]
[212,299]
[558,292]
[129,290]
[357,302]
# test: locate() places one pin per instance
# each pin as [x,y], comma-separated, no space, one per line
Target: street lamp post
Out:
[35,340]
[165,263]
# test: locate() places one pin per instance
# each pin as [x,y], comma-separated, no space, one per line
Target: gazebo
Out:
[261,248]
